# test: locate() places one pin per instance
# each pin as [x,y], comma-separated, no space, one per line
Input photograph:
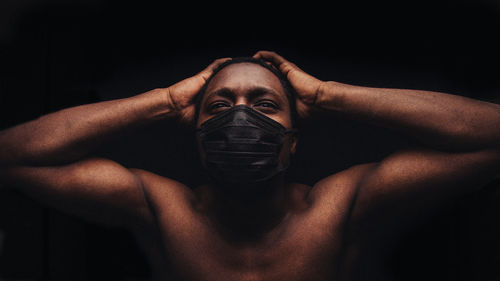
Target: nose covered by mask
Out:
[242,145]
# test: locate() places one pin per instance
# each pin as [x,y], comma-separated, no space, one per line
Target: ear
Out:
[293,143]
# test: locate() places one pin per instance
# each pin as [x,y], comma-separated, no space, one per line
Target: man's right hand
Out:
[181,96]
[52,163]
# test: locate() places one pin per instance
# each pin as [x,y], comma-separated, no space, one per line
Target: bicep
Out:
[96,189]
[411,184]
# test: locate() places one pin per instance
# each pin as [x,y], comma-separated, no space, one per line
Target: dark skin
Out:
[288,232]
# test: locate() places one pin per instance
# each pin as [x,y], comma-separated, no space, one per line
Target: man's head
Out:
[251,71]
[249,91]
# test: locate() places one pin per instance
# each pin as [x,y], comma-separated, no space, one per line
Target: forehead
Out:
[242,76]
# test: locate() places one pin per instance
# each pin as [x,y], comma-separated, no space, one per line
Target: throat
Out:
[252,213]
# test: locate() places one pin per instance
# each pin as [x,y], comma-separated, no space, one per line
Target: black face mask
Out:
[242,145]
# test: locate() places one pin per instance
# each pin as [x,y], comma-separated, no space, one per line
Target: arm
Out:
[70,134]
[441,121]
[48,158]
[459,152]
[460,137]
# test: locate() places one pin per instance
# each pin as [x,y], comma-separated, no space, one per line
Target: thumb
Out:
[277,61]
[205,73]
[270,56]
[303,109]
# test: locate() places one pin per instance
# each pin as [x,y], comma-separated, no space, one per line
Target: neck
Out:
[249,212]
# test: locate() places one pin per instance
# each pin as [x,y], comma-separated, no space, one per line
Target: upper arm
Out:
[96,189]
[410,184]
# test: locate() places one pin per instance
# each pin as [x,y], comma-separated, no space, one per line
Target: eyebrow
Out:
[253,93]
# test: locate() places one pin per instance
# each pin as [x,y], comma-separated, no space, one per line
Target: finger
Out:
[270,56]
[187,116]
[211,67]
[216,63]
[270,64]
[278,61]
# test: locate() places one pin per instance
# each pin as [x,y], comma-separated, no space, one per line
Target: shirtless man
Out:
[247,223]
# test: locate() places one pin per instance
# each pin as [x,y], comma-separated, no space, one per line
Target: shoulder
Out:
[326,205]
[330,199]
[150,179]
[343,184]
[162,192]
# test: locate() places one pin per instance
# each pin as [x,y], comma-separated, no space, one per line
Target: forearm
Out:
[71,133]
[437,119]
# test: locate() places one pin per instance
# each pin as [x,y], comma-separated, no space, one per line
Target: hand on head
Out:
[306,86]
[182,94]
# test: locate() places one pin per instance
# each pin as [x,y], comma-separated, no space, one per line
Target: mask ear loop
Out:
[294,131]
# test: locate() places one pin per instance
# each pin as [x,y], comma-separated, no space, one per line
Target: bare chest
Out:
[300,251]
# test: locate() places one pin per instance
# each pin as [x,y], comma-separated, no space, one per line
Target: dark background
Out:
[54,55]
